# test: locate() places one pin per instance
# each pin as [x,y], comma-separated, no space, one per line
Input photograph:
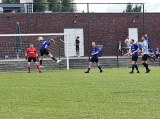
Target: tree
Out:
[68,7]
[54,7]
[130,8]
[137,8]
[10,1]
[40,7]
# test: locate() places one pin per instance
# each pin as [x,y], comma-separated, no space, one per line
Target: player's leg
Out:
[89,67]
[154,56]
[99,66]
[150,56]
[133,62]
[133,65]
[136,66]
[90,64]
[42,56]
[29,62]
[51,56]
[35,61]
[78,52]
[144,62]
[122,52]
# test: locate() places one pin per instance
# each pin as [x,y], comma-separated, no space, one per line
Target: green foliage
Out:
[10,1]
[137,8]
[68,7]
[63,7]
[54,7]
[40,7]
[130,8]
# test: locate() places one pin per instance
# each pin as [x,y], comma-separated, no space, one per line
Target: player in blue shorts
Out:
[43,50]
[134,50]
[145,54]
[94,58]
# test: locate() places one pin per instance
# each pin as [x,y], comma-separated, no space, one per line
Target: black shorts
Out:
[134,58]
[32,58]
[145,57]
[94,60]
[77,47]
[44,51]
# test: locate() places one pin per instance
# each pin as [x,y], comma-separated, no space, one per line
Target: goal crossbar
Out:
[43,34]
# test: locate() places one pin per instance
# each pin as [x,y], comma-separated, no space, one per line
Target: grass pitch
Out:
[63,94]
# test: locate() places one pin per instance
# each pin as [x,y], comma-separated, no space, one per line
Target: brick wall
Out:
[105,28]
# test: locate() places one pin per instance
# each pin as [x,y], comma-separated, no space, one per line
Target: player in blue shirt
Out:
[145,54]
[94,58]
[151,54]
[43,50]
[157,52]
[134,50]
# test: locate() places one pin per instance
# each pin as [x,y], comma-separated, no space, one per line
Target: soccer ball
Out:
[40,38]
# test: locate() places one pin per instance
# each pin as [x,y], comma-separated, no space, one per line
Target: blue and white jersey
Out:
[93,51]
[145,43]
[134,47]
[44,44]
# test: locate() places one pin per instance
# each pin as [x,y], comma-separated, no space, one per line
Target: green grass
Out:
[63,94]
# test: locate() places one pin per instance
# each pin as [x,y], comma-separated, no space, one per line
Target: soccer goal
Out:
[13,46]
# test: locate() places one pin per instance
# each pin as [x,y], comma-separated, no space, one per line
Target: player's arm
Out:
[36,55]
[46,46]
[127,53]
[125,42]
[95,52]
[136,51]
[26,54]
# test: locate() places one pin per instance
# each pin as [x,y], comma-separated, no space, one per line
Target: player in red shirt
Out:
[32,56]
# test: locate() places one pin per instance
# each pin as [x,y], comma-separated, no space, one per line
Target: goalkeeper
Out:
[43,50]
[32,56]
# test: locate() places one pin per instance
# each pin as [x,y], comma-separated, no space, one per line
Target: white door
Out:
[133,34]
[71,37]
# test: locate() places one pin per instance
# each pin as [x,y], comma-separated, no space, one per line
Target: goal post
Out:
[20,43]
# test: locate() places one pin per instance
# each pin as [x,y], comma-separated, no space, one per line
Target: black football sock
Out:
[54,58]
[136,67]
[100,68]
[132,68]
[147,67]
[40,62]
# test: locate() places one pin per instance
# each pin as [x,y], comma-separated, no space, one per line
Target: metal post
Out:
[59,48]
[159,59]
[117,56]
[143,21]
[88,32]
[28,24]
[67,52]
[59,53]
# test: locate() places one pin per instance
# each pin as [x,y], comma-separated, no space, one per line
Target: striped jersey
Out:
[145,43]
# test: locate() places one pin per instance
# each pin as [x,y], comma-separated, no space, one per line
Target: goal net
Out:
[14,46]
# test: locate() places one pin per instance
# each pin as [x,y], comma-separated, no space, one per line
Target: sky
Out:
[150,5]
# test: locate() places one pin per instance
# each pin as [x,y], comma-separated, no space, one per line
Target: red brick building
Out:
[105,28]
